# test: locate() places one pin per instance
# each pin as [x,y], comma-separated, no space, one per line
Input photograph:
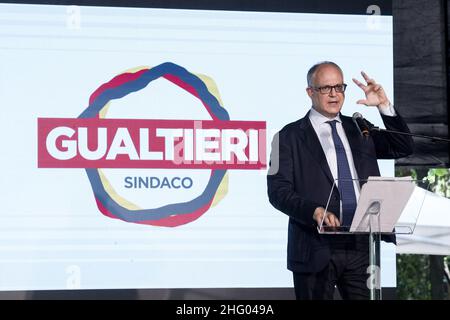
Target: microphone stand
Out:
[410,134]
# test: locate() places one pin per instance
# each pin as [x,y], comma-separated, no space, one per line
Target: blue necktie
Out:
[345,183]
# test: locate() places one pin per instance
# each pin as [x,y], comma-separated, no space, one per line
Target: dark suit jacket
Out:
[303,181]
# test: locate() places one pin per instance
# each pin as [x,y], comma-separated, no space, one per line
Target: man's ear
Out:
[309,91]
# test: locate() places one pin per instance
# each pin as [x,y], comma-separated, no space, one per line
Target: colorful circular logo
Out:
[171,215]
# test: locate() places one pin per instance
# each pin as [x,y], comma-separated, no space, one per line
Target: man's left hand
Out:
[375,95]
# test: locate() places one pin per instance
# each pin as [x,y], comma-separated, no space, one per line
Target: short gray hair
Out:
[313,69]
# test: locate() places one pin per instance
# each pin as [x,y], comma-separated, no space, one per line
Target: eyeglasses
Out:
[339,88]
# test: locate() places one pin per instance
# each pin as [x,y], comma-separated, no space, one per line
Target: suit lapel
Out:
[310,139]
[312,143]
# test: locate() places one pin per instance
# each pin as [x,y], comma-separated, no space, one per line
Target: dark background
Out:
[421,76]
[309,6]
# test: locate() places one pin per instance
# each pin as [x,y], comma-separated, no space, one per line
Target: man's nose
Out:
[332,92]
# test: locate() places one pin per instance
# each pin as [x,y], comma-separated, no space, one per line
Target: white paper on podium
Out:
[383,199]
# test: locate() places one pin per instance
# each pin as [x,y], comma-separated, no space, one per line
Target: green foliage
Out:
[403,172]
[413,271]
[439,181]
[413,282]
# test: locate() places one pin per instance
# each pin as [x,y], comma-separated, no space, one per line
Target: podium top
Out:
[381,202]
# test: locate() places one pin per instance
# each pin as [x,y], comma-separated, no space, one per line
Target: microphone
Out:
[361,123]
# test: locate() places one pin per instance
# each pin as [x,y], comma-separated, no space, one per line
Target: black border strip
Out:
[257,294]
[360,7]
[446,45]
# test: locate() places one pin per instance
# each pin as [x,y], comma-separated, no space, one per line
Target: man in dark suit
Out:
[307,156]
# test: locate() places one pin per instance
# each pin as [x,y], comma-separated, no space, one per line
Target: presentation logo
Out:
[97,143]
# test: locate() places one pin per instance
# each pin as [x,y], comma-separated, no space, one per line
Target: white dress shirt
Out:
[323,131]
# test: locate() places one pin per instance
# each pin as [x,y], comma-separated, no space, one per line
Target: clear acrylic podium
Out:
[386,206]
